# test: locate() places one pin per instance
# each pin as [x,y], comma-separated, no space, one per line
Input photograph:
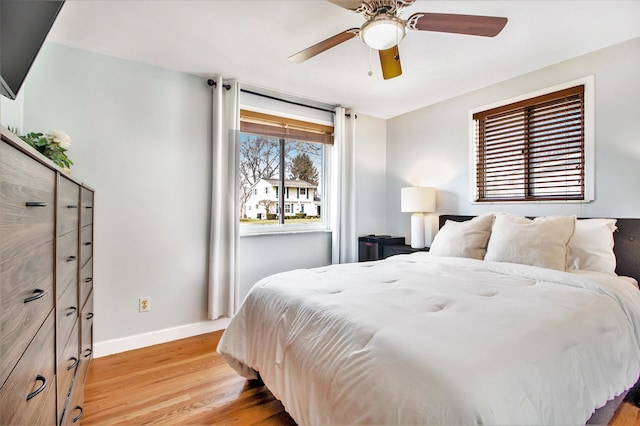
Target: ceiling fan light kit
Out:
[384,29]
[383,32]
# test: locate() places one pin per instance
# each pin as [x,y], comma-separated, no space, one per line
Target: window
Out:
[278,152]
[533,149]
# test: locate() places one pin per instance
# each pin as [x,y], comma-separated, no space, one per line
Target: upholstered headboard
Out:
[626,244]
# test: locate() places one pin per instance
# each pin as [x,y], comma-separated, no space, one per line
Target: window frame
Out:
[323,224]
[589,141]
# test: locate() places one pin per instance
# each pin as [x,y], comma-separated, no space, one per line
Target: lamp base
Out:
[417,231]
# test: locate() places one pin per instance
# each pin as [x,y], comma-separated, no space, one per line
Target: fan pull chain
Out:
[370,73]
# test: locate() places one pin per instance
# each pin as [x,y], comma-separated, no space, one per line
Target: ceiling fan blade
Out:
[390,62]
[348,4]
[487,26]
[327,44]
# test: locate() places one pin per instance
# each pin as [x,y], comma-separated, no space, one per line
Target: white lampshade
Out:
[383,32]
[418,199]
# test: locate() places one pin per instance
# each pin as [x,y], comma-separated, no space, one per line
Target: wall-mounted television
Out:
[24,24]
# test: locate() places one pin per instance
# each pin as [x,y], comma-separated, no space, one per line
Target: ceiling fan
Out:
[384,29]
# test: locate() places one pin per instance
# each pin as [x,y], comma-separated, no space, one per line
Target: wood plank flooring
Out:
[182,382]
[186,382]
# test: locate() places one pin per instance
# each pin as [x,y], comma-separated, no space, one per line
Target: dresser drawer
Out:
[86,339]
[67,261]
[66,315]
[68,203]
[86,243]
[86,214]
[73,413]
[33,377]
[86,281]
[68,361]
[26,286]
[26,203]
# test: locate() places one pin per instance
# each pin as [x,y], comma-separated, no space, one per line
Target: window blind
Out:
[258,123]
[532,149]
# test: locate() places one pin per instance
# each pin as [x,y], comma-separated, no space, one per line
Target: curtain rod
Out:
[286,100]
[213,83]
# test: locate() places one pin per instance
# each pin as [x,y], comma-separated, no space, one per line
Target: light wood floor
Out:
[186,382]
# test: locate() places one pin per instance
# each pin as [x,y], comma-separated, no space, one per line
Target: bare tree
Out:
[268,205]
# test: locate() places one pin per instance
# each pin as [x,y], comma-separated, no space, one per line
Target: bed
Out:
[455,336]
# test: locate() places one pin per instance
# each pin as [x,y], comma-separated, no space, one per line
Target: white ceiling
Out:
[251,40]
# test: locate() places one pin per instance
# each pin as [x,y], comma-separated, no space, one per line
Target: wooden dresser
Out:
[46,283]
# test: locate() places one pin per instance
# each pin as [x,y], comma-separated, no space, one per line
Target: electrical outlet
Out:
[145,304]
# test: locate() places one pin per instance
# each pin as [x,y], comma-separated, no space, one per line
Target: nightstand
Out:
[370,246]
[393,249]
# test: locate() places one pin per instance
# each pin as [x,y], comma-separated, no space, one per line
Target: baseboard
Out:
[114,346]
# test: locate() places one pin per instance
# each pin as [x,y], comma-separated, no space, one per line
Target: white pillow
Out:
[539,242]
[463,239]
[591,247]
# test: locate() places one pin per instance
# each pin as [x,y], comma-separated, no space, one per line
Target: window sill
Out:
[533,202]
[274,232]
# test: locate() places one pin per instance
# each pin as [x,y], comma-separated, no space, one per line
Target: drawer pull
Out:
[74,363]
[72,206]
[71,310]
[87,353]
[35,204]
[87,243]
[76,418]
[71,258]
[88,280]
[90,315]
[88,207]
[37,294]
[42,379]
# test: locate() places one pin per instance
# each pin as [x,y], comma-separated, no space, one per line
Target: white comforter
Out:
[418,339]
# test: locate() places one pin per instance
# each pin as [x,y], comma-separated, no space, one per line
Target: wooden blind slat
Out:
[507,156]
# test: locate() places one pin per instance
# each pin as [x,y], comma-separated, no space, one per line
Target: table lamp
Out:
[418,200]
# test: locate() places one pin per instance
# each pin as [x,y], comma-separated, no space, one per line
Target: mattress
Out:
[420,339]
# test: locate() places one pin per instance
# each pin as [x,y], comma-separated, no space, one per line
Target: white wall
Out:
[371,175]
[262,255]
[430,146]
[12,112]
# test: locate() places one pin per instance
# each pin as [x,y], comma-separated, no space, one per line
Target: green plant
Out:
[53,145]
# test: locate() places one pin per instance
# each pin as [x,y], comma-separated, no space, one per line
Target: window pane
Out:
[260,181]
[259,170]
[303,166]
